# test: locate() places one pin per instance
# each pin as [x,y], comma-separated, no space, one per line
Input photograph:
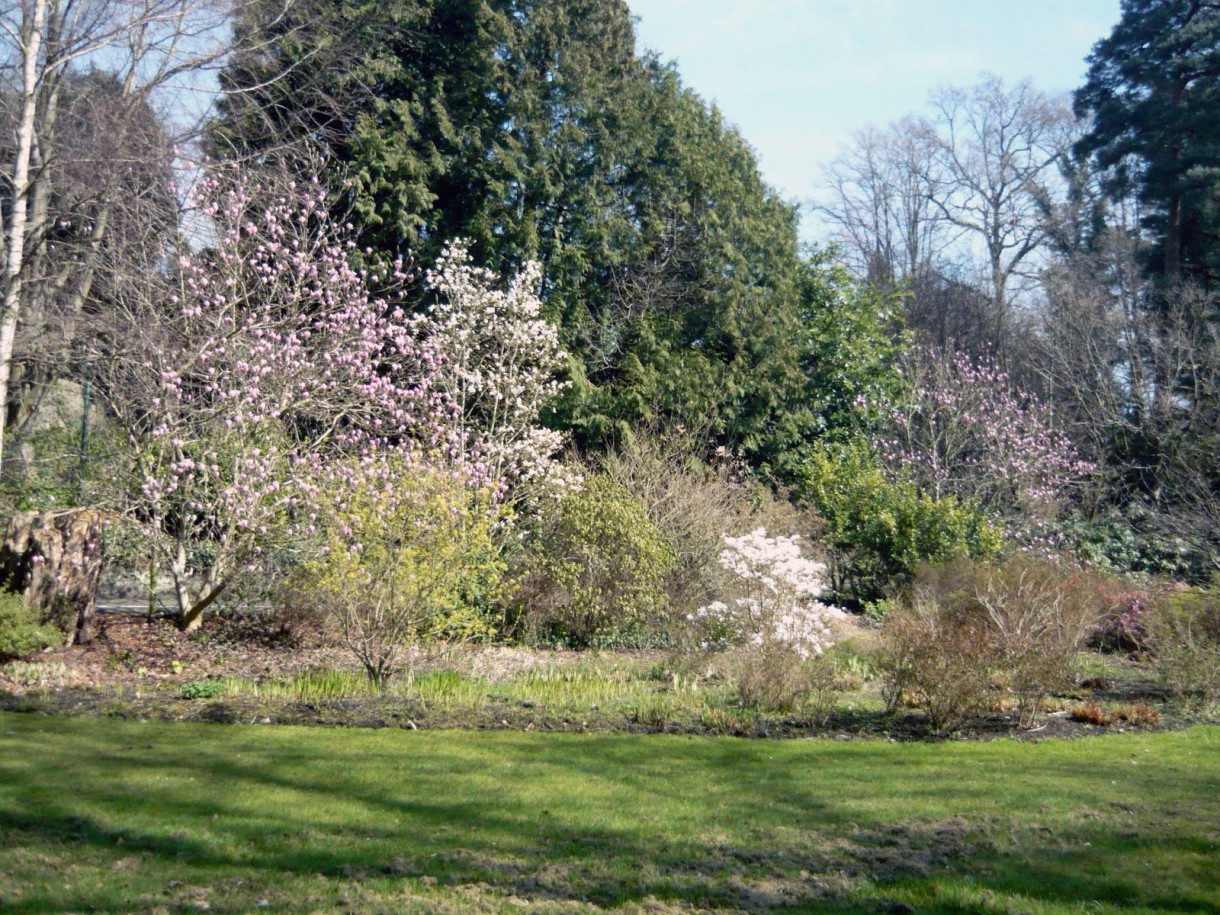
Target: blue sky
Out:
[798,77]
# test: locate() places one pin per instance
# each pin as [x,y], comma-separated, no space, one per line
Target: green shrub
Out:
[1137,540]
[880,531]
[21,630]
[594,572]
[408,562]
[693,504]
[1184,633]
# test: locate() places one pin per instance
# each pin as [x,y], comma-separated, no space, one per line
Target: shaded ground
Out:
[137,666]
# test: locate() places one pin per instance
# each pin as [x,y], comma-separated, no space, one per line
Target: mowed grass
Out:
[102,815]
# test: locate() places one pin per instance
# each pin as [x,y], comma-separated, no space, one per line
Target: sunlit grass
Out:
[122,816]
[609,685]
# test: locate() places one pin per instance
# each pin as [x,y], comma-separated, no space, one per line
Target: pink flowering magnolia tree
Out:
[500,372]
[964,430]
[243,370]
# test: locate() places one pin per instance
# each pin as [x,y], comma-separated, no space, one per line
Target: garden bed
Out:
[233,671]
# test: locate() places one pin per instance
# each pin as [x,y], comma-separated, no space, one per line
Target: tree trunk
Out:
[54,559]
[14,261]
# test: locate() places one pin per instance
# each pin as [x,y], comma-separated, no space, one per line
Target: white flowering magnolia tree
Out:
[500,370]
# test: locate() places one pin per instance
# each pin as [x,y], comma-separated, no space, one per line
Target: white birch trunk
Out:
[32,24]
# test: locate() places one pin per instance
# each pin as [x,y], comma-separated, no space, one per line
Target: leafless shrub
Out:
[969,631]
[1036,620]
[1185,638]
[935,659]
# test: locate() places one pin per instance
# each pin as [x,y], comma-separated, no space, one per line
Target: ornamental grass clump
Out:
[774,617]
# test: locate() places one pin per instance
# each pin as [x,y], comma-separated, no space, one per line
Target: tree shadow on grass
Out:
[537,822]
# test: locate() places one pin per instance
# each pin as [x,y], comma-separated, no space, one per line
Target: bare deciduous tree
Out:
[958,206]
[155,54]
[1134,371]
[997,149]
[880,198]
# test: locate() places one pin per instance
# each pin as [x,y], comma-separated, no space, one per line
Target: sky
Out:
[799,77]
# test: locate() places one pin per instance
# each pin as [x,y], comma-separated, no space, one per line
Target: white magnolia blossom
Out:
[778,597]
[501,362]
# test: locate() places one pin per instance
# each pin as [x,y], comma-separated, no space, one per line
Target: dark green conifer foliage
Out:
[534,129]
[1153,91]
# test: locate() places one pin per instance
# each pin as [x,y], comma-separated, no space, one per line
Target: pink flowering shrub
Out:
[773,613]
[265,357]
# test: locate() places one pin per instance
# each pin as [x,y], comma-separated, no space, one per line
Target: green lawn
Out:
[100,815]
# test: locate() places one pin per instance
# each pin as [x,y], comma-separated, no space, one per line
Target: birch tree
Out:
[158,54]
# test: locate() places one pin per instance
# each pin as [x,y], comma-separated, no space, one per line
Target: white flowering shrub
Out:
[774,613]
[776,600]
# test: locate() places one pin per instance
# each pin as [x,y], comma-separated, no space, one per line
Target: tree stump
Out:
[54,559]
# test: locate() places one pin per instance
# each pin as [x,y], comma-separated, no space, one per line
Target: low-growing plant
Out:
[34,674]
[1090,712]
[1185,639]
[203,689]
[722,720]
[654,710]
[22,631]
[848,663]
[327,683]
[1139,714]
[446,687]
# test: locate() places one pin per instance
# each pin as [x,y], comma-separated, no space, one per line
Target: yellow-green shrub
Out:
[21,631]
[878,530]
[408,560]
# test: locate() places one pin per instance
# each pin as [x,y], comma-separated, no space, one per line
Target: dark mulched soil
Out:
[136,667]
